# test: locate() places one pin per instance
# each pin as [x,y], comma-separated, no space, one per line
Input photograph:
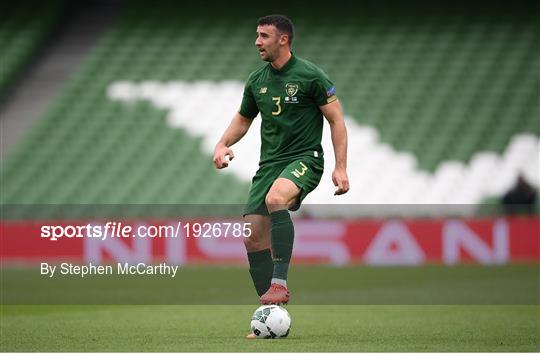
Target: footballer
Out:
[292,95]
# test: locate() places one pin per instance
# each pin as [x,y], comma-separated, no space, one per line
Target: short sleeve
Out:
[248,107]
[324,91]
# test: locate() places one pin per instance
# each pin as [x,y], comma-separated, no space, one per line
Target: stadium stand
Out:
[23,26]
[450,96]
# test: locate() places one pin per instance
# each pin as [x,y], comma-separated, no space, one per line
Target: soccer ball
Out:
[271,321]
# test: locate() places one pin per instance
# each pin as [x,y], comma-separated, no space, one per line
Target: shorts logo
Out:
[297,173]
[291,89]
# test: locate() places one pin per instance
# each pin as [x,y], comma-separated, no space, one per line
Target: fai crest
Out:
[291,89]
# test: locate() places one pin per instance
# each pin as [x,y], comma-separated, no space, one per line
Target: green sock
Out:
[282,234]
[261,268]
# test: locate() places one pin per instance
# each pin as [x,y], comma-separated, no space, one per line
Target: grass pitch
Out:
[310,285]
[315,328]
[431,308]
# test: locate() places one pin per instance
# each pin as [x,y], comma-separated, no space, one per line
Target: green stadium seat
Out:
[440,88]
[24,25]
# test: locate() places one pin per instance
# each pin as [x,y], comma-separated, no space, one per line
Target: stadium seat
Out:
[443,103]
[24,25]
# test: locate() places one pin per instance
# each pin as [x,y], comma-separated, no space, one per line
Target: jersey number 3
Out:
[277,101]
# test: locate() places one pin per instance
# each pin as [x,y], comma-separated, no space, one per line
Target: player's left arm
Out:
[334,114]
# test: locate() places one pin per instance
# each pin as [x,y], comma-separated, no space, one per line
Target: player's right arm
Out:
[235,131]
[238,128]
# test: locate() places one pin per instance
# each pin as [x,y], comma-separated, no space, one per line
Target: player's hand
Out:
[222,156]
[341,181]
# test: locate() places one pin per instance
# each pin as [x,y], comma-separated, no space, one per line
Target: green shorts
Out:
[305,172]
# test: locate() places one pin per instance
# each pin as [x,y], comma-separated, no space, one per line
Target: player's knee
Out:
[249,243]
[275,200]
[254,243]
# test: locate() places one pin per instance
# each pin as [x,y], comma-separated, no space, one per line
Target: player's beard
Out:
[271,55]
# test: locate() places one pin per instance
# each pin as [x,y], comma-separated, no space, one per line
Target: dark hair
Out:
[282,23]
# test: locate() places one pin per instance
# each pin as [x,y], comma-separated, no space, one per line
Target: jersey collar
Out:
[285,67]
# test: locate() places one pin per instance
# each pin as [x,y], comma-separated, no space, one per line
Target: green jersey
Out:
[288,100]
